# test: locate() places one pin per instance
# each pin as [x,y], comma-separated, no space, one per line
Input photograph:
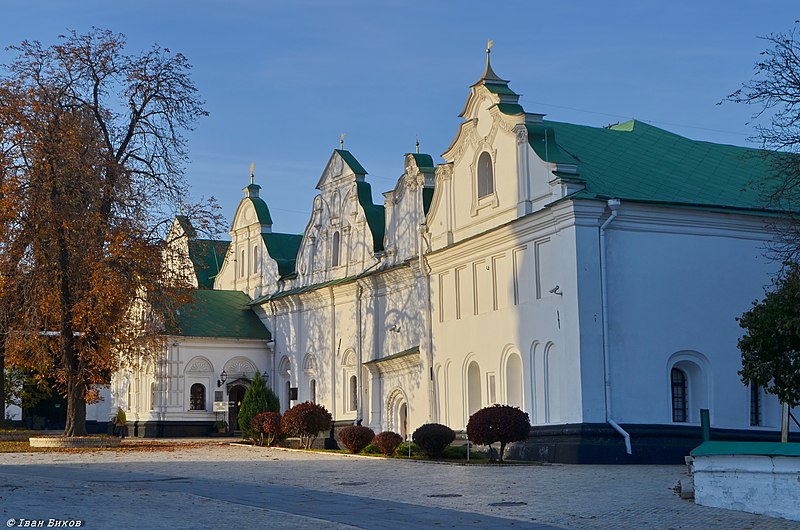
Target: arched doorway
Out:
[402,421]
[236,395]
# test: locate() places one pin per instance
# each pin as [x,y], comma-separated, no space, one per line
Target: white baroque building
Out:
[590,276]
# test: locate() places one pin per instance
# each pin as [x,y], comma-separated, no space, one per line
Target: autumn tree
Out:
[93,152]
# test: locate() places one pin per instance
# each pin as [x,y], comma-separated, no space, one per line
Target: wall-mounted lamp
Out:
[556,290]
[222,378]
[265,376]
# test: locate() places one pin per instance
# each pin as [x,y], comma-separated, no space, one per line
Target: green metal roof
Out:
[637,161]
[747,448]
[512,109]
[283,249]
[207,256]
[376,215]
[399,355]
[499,88]
[424,162]
[351,161]
[222,314]
[262,211]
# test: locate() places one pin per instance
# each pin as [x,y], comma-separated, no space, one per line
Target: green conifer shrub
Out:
[356,437]
[257,399]
[433,438]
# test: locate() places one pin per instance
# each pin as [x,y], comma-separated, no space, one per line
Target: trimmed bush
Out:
[306,420]
[257,399]
[498,423]
[356,437]
[267,427]
[387,442]
[433,438]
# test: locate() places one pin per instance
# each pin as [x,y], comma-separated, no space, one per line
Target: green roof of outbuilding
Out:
[637,161]
[223,314]
[376,215]
[207,256]
[351,161]
[283,249]
[747,448]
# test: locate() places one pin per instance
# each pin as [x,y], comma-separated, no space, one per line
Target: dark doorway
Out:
[236,395]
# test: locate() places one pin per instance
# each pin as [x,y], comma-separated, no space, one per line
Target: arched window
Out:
[256,262]
[197,397]
[679,403]
[514,380]
[242,265]
[755,405]
[474,400]
[335,250]
[312,390]
[485,175]
[353,392]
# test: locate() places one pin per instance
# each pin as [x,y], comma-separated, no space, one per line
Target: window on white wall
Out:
[256,262]
[353,393]
[152,396]
[312,390]
[242,264]
[679,401]
[485,175]
[197,397]
[335,250]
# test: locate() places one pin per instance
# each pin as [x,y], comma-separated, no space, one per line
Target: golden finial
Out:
[489,46]
[252,173]
[417,144]
[341,142]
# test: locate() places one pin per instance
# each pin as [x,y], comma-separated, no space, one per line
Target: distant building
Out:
[590,276]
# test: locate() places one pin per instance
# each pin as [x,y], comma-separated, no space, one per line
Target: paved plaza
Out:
[216,485]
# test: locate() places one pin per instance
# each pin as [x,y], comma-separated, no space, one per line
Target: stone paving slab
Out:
[239,486]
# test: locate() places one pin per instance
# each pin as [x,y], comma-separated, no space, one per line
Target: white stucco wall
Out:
[677,281]
[750,483]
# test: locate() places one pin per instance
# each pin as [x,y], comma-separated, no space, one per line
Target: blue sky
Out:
[282,80]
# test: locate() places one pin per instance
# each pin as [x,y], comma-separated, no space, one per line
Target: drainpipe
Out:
[426,285]
[613,205]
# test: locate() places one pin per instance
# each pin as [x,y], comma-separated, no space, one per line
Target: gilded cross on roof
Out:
[341,142]
[489,46]
[252,173]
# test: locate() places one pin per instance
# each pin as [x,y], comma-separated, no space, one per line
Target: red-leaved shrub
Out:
[306,420]
[433,438]
[267,427]
[498,423]
[387,442]
[356,437]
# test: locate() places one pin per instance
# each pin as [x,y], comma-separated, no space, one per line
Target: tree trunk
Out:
[502,450]
[2,384]
[76,410]
[76,388]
